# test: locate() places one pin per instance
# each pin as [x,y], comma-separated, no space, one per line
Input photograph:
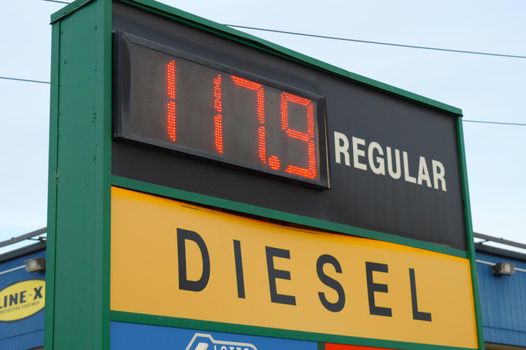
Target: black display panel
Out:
[399,173]
[171,99]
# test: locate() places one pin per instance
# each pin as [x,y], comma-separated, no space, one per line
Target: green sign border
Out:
[79,205]
[270,332]
[282,216]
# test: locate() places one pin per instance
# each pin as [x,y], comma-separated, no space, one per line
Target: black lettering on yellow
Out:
[23,296]
[417,315]
[184,283]
[239,270]
[13,299]
[274,274]
[339,304]
[38,293]
[373,287]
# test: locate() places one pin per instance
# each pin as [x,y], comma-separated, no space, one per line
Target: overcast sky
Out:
[485,88]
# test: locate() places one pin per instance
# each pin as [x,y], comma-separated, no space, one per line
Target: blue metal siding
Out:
[503,302]
[27,333]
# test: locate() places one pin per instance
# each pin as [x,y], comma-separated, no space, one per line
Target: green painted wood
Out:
[282,216]
[469,231]
[269,332]
[79,184]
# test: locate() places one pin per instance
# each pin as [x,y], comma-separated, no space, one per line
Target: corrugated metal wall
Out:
[503,301]
[27,333]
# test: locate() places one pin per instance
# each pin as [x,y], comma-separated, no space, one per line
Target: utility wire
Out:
[380,42]
[482,53]
[26,80]
[492,122]
[58,2]
[464,120]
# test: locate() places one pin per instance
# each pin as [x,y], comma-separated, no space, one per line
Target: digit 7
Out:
[260,95]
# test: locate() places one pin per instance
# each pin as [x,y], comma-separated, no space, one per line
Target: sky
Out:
[486,88]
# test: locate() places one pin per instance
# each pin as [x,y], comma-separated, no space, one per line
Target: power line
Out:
[481,53]
[492,122]
[58,2]
[464,120]
[380,42]
[25,80]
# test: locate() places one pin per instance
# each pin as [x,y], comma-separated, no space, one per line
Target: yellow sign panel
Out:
[22,299]
[174,259]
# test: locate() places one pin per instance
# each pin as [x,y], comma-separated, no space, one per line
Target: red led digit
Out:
[274,162]
[218,118]
[260,95]
[171,120]
[286,98]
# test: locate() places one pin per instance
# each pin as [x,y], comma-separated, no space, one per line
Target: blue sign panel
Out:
[128,336]
[27,330]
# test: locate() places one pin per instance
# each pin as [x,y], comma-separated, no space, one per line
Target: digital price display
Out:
[178,101]
[203,109]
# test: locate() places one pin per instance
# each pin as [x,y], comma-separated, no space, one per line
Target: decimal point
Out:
[274,162]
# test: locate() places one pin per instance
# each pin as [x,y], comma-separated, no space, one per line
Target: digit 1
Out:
[171,120]
[218,118]
[260,95]
[310,171]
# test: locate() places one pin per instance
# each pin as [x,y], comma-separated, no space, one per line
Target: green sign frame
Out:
[78,311]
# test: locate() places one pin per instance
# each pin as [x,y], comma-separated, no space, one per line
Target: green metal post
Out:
[469,231]
[77,310]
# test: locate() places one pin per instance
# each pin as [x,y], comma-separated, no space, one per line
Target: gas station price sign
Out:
[204,153]
[178,101]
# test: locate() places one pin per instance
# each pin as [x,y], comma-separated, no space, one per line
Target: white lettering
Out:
[394,174]
[439,173]
[423,173]
[372,155]
[358,153]
[341,146]
[377,167]
[407,176]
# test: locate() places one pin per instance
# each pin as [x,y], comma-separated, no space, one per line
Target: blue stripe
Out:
[129,336]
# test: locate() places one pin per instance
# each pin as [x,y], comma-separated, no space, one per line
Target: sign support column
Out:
[77,312]
[469,234]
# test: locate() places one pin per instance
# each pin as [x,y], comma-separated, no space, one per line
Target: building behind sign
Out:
[27,332]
